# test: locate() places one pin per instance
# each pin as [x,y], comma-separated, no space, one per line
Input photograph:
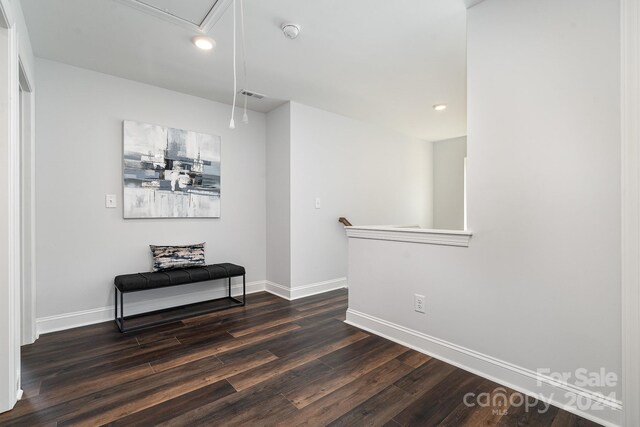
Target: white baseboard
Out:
[75,319]
[318,288]
[277,290]
[103,314]
[305,290]
[605,410]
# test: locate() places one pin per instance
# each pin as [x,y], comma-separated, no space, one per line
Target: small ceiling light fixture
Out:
[440,107]
[203,42]
[291,31]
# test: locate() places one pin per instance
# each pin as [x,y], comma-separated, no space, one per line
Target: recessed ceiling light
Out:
[204,42]
[440,107]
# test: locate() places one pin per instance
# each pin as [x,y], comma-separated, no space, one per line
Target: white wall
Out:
[363,172]
[279,195]
[272,171]
[539,286]
[448,183]
[81,245]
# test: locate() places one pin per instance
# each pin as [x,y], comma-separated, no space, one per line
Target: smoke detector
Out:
[291,31]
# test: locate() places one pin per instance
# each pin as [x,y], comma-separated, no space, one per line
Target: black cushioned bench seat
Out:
[181,276]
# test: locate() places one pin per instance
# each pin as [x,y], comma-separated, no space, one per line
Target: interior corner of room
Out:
[481,155]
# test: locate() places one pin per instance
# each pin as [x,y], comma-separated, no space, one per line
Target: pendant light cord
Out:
[232,124]
[245,117]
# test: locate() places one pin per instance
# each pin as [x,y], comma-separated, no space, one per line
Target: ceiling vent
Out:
[251,94]
[199,15]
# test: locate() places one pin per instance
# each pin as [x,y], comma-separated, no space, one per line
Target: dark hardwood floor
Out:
[273,362]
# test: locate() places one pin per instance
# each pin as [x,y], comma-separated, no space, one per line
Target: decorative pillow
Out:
[171,257]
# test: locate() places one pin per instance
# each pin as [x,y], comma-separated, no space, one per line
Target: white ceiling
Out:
[386,62]
[193,10]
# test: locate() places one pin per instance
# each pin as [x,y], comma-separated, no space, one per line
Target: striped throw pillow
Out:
[172,257]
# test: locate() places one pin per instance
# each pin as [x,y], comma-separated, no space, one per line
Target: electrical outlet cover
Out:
[419,302]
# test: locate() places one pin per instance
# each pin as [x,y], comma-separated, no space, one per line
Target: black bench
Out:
[161,279]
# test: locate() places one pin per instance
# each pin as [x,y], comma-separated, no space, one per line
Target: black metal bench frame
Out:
[121,319]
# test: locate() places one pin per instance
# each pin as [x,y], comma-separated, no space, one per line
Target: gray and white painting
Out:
[170,173]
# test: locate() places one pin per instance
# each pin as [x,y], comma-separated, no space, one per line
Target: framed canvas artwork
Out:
[170,173]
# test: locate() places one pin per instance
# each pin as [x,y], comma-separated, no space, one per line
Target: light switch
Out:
[110,201]
[317,202]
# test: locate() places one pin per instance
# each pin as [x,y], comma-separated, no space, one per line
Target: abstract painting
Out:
[170,173]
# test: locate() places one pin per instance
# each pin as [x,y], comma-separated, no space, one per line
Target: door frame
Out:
[10,390]
[630,232]
[27,208]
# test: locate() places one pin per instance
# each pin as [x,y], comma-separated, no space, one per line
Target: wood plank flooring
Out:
[273,362]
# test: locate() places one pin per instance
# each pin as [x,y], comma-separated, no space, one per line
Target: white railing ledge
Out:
[410,234]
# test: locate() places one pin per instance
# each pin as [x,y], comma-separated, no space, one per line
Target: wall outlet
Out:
[110,201]
[418,302]
[317,202]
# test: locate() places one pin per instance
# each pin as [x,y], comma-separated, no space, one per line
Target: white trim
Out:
[630,108]
[19,394]
[10,322]
[305,290]
[318,288]
[28,211]
[277,290]
[465,207]
[214,15]
[76,319]
[411,235]
[15,251]
[515,377]
[471,3]
[25,82]
[60,322]
[6,14]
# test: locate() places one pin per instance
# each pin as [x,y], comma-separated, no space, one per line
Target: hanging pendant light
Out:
[232,123]
[245,117]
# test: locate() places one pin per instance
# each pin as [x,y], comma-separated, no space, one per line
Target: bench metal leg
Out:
[244,292]
[120,319]
[117,319]
[122,310]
